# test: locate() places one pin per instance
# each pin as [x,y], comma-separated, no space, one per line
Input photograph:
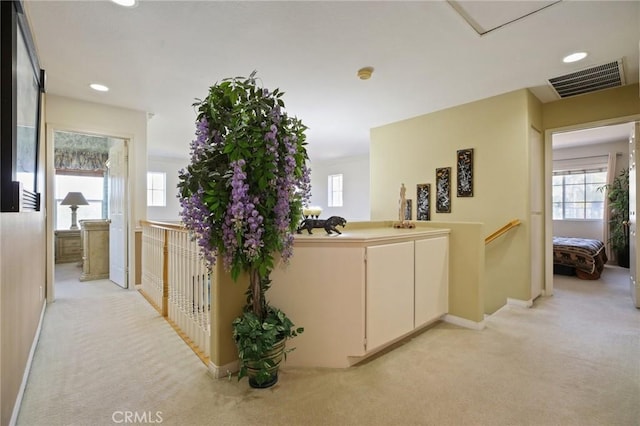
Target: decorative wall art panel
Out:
[465,172]
[408,214]
[443,190]
[423,201]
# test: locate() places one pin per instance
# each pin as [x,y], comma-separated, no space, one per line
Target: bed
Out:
[578,256]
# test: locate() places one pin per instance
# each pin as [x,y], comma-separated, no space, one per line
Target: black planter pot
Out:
[623,257]
[274,356]
[272,381]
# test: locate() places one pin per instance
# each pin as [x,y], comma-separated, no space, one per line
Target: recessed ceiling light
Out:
[574,57]
[125,3]
[99,87]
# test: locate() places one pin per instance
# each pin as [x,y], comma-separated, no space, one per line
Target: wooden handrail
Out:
[501,231]
[176,226]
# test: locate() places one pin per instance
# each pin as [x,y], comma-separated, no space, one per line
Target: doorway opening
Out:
[577,164]
[88,189]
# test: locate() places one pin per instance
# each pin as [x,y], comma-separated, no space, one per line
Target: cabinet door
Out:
[431,279]
[389,292]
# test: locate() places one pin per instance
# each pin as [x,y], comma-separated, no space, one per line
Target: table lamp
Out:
[74,199]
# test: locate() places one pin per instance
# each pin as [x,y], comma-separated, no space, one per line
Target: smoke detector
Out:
[365,73]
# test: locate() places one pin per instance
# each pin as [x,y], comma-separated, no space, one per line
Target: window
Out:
[91,187]
[576,195]
[335,191]
[156,189]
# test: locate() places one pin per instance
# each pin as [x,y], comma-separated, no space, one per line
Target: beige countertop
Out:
[367,235]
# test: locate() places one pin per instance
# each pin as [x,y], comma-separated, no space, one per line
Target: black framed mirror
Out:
[21,86]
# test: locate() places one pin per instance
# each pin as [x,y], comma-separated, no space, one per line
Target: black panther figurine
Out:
[329,225]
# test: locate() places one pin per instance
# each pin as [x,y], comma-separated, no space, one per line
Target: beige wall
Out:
[22,290]
[80,116]
[228,300]
[467,280]
[599,106]
[22,237]
[497,129]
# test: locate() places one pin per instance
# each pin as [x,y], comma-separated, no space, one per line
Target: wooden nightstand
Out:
[68,246]
[95,249]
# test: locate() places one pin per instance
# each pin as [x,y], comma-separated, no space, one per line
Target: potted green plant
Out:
[617,193]
[242,197]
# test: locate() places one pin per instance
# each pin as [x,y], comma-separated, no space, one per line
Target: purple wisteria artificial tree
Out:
[242,196]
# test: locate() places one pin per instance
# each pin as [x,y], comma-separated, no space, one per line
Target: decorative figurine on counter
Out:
[329,225]
[402,210]
[403,203]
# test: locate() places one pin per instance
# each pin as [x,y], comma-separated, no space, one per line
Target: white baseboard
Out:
[27,369]
[463,322]
[219,372]
[519,302]
[502,308]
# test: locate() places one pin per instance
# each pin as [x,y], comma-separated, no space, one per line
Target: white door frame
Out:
[50,197]
[536,211]
[548,174]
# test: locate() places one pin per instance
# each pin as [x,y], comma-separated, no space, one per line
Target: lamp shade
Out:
[74,199]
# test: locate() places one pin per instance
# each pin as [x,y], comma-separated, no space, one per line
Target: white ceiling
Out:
[161,55]
[596,135]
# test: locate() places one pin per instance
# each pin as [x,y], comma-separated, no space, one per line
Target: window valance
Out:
[80,160]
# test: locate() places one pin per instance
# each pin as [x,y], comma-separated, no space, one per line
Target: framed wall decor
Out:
[465,172]
[423,201]
[21,85]
[443,190]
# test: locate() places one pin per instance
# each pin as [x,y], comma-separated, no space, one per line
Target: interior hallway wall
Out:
[22,290]
[355,171]
[593,107]
[170,166]
[497,129]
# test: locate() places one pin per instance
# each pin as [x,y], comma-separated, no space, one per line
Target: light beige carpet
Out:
[572,359]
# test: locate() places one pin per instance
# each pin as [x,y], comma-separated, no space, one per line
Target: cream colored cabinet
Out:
[431,280]
[359,292]
[406,287]
[95,244]
[390,286]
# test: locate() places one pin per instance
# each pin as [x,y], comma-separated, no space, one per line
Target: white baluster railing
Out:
[189,289]
[175,276]
[152,265]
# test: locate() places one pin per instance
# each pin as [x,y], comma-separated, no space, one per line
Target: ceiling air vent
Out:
[589,80]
